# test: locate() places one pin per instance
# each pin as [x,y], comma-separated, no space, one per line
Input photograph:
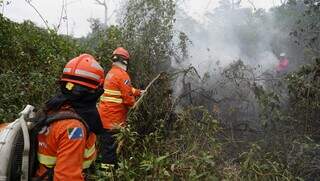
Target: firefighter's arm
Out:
[126,91]
[70,150]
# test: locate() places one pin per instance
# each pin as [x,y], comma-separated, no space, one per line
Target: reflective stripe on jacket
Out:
[65,146]
[89,154]
[118,96]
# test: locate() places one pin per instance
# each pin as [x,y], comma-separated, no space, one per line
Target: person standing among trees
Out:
[118,97]
[283,64]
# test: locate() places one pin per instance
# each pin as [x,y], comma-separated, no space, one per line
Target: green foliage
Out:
[304,92]
[147,32]
[256,165]
[257,132]
[31,61]
[101,41]
[270,106]
[188,151]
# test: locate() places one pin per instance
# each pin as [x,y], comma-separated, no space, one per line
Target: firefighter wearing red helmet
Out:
[67,146]
[118,97]
[283,64]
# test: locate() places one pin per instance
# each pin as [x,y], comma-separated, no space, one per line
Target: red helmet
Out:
[121,52]
[83,70]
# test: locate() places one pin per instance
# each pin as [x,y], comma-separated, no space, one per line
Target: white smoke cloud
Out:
[229,35]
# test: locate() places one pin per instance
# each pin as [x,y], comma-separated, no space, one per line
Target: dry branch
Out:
[146,91]
[45,21]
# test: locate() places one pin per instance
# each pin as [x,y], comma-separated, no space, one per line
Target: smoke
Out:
[224,36]
[228,34]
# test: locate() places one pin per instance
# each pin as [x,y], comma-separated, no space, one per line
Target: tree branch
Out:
[101,3]
[252,4]
[61,15]
[146,90]
[45,21]
[104,4]
[66,15]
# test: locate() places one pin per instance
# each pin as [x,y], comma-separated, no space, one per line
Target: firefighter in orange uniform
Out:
[118,97]
[67,146]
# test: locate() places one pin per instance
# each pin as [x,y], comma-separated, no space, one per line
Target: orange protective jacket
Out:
[119,95]
[65,146]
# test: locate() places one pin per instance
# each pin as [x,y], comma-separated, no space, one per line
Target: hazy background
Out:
[216,37]
[79,11]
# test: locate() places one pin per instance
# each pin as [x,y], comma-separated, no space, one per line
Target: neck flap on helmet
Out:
[83,100]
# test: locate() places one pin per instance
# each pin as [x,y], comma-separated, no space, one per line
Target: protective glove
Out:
[142,92]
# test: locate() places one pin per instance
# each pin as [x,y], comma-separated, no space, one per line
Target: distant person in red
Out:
[283,64]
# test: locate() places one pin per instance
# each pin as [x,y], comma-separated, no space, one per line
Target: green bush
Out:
[32,60]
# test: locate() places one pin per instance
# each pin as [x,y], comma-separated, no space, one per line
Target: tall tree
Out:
[148,34]
[105,6]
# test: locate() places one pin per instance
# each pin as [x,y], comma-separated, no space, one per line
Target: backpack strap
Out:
[41,120]
[65,115]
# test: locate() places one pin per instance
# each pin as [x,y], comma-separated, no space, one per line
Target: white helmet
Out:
[282,54]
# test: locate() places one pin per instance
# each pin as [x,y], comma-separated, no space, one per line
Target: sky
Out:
[77,12]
